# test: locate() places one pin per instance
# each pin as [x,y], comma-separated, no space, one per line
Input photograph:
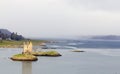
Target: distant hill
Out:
[107,37]
[7,35]
[5,31]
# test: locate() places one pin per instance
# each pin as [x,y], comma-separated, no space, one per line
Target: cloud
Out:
[106,5]
[60,18]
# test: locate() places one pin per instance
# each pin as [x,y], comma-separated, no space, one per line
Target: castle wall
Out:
[27,47]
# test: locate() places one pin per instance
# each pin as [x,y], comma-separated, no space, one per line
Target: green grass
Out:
[78,51]
[46,53]
[24,57]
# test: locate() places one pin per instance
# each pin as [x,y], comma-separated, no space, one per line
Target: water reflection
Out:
[26,67]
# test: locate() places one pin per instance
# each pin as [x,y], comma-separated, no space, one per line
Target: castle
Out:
[27,48]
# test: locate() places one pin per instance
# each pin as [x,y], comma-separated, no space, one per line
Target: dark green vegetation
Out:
[24,57]
[46,53]
[7,35]
[18,44]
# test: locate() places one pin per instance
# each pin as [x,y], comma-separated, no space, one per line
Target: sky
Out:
[60,18]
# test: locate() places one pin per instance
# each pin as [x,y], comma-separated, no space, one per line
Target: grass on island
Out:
[24,57]
[46,53]
[78,51]
[18,44]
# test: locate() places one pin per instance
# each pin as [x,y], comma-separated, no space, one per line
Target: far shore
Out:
[19,44]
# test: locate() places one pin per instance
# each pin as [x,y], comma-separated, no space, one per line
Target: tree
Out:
[14,36]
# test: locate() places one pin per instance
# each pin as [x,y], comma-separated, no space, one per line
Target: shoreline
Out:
[11,46]
[19,44]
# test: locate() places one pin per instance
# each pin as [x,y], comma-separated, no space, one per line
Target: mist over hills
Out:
[107,37]
[5,34]
[100,37]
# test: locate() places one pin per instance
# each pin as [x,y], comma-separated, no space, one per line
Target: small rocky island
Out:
[78,51]
[26,55]
[29,55]
[47,53]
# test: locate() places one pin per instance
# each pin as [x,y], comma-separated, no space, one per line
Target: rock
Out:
[24,57]
[47,53]
[77,51]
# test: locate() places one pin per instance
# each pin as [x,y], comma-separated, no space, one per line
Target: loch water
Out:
[99,58]
[93,61]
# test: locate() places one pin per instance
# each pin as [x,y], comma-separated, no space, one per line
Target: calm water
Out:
[93,61]
[61,44]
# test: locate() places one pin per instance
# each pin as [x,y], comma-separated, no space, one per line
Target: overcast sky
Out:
[60,18]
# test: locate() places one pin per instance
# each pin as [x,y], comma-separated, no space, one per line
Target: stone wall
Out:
[27,48]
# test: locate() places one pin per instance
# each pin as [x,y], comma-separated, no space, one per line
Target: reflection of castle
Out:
[27,47]
[26,67]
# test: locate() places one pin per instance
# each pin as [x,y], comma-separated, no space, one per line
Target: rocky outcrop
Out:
[24,57]
[78,51]
[47,53]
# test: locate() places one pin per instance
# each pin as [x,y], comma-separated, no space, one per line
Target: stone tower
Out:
[27,47]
